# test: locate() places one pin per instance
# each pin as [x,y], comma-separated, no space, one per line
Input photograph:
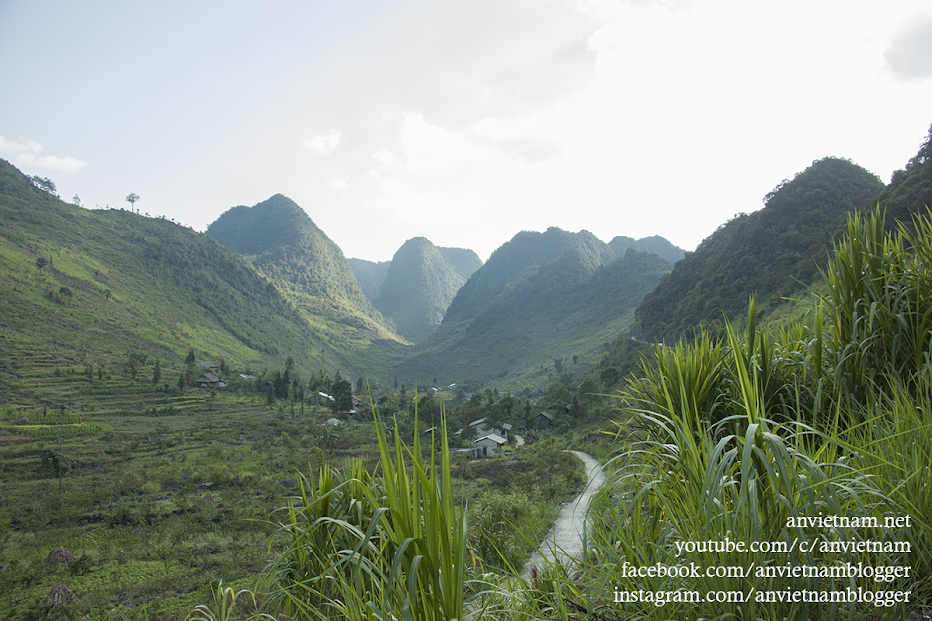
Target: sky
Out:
[465,122]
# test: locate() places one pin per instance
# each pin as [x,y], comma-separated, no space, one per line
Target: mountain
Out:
[283,244]
[910,190]
[413,290]
[541,300]
[656,244]
[88,286]
[420,283]
[464,261]
[770,254]
[370,275]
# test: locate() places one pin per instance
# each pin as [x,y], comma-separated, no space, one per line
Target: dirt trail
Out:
[565,538]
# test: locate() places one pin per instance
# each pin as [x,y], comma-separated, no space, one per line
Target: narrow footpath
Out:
[565,538]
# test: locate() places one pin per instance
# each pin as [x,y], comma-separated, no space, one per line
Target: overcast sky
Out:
[461,121]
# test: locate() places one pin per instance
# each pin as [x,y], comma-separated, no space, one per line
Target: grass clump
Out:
[363,547]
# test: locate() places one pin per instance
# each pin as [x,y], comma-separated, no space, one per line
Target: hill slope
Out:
[540,298]
[771,253]
[114,282]
[420,283]
[283,244]
[370,275]
[910,190]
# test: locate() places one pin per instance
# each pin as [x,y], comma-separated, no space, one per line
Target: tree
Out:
[342,396]
[610,376]
[45,184]
[41,262]
[132,198]
[76,200]
[157,372]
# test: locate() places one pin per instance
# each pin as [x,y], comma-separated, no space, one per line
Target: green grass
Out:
[163,495]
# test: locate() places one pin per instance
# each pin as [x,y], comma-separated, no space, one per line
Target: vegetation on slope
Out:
[419,285]
[103,283]
[770,254]
[542,299]
[463,260]
[284,245]
[370,275]
[910,190]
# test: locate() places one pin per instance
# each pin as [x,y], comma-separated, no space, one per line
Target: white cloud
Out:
[66,164]
[14,147]
[322,144]
[512,137]
[384,156]
[909,56]
[340,183]
[25,153]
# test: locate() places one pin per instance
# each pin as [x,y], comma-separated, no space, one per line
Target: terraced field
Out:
[155,494]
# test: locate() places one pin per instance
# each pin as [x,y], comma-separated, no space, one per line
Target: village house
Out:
[208,367]
[542,420]
[483,430]
[209,379]
[490,445]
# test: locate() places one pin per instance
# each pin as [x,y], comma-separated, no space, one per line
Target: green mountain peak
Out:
[283,244]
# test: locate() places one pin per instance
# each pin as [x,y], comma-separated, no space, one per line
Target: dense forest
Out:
[284,245]
[769,254]
[420,284]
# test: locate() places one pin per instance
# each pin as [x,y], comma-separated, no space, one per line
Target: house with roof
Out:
[483,430]
[542,420]
[207,366]
[209,379]
[490,445]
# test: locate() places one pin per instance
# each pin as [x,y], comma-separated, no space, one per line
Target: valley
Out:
[193,423]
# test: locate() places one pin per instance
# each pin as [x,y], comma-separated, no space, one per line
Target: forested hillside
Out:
[413,290]
[283,244]
[769,254]
[463,260]
[541,301]
[910,190]
[98,285]
[419,285]
[370,275]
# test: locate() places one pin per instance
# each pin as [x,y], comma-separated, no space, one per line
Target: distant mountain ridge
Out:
[540,297]
[910,189]
[96,284]
[656,244]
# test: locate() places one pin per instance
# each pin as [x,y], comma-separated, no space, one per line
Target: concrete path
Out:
[565,538]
